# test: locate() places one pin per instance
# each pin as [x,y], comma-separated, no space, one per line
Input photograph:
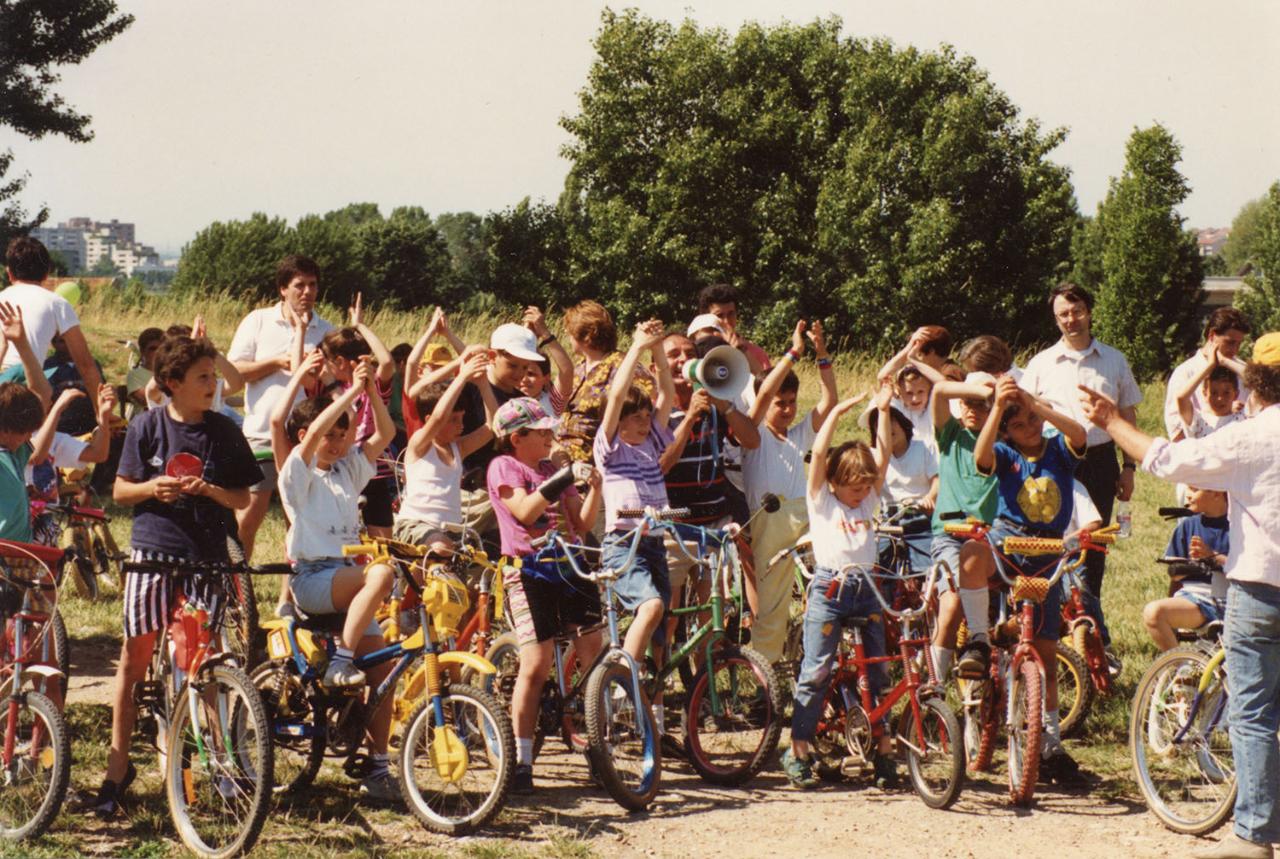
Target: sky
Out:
[212,111]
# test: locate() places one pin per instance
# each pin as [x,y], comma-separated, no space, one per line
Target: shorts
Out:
[312,587]
[646,579]
[946,549]
[269,474]
[149,597]
[1211,609]
[1046,620]
[678,566]
[541,609]
[419,532]
[379,500]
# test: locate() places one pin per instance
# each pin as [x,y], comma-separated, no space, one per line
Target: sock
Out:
[660,719]
[976,602]
[943,659]
[524,751]
[343,654]
[378,765]
[1052,732]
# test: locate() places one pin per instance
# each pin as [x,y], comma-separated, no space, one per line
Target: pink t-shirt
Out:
[508,471]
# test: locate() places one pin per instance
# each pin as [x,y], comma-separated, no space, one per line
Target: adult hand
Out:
[797,338]
[166,489]
[1124,486]
[1099,409]
[536,322]
[649,333]
[11,322]
[699,404]
[817,338]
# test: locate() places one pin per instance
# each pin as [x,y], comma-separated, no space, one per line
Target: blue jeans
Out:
[823,624]
[1252,637]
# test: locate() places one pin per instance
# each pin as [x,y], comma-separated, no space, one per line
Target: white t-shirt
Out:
[44,315]
[842,535]
[1205,422]
[64,452]
[777,465]
[1082,507]
[323,505]
[265,333]
[921,426]
[433,488]
[910,476]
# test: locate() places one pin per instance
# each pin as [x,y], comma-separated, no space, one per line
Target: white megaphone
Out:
[723,371]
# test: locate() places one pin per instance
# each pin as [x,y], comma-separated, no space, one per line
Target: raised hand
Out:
[1007,392]
[361,375]
[312,363]
[818,338]
[649,333]
[106,404]
[844,405]
[797,338]
[11,322]
[67,396]
[475,363]
[198,329]
[884,396]
[357,311]
[535,321]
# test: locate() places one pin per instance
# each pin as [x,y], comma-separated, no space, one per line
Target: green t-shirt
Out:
[15,509]
[960,487]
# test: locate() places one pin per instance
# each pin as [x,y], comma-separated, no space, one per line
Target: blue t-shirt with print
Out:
[1036,493]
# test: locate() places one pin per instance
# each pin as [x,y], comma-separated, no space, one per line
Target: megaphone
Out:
[724,372]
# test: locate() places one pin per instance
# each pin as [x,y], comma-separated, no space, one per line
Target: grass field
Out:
[330,822]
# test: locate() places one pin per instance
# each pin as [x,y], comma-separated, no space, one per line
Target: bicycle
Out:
[456,749]
[207,719]
[853,722]
[35,752]
[90,549]
[1015,680]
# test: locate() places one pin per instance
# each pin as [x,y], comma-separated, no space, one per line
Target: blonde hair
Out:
[850,464]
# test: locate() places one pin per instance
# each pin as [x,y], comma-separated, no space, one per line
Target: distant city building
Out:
[84,242]
[1211,240]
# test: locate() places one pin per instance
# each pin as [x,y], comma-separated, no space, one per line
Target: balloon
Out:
[70,290]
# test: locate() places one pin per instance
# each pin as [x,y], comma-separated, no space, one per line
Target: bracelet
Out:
[1129,466]
[824,363]
[790,354]
[550,338]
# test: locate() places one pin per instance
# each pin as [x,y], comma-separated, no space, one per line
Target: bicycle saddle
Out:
[321,622]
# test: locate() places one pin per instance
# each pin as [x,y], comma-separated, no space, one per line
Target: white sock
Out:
[976,602]
[1052,732]
[524,751]
[943,659]
[660,719]
[343,654]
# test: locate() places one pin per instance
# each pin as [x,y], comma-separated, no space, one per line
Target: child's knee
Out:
[1152,614]
[380,578]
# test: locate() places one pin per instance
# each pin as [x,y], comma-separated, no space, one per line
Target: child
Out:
[544,597]
[320,484]
[777,466]
[537,382]
[1219,384]
[1034,477]
[911,481]
[68,451]
[175,519]
[842,494]
[1197,601]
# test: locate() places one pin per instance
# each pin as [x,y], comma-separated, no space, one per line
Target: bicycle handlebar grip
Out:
[889,530]
[958,527]
[361,549]
[1032,546]
[1102,539]
[1031,588]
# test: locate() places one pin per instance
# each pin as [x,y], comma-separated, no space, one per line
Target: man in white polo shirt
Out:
[260,350]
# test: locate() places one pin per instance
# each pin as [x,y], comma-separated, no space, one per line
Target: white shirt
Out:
[432,487]
[44,315]
[1203,423]
[910,476]
[1178,379]
[265,333]
[777,465]
[842,535]
[1057,373]
[1083,509]
[323,505]
[1241,461]
[64,452]
[921,425]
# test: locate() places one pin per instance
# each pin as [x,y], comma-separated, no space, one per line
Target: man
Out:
[1224,331]
[721,301]
[44,313]
[261,350]
[1056,375]
[1240,460]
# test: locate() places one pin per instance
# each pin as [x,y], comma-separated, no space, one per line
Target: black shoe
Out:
[1062,770]
[106,803]
[522,780]
[886,770]
[673,748]
[974,660]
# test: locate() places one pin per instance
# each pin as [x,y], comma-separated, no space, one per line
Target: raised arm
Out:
[883,451]
[666,399]
[1071,429]
[85,365]
[384,426]
[413,364]
[386,364]
[99,448]
[537,323]
[279,420]
[772,382]
[984,451]
[899,360]
[945,391]
[647,336]
[822,442]
[826,374]
[326,419]
[232,380]
[42,441]
[15,335]
[475,365]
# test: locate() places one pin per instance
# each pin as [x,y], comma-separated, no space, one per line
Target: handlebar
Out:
[666,514]
[206,567]
[930,585]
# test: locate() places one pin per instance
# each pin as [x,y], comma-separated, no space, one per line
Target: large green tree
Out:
[1242,240]
[1141,262]
[1261,300]
[876,187]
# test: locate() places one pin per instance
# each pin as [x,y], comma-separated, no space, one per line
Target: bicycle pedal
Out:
[148,693]
[854,766]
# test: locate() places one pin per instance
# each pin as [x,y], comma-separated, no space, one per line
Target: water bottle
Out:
[1124,518]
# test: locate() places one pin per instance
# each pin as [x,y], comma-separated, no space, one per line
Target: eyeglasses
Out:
[1078,311]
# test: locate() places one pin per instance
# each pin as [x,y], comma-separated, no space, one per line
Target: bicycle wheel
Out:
[86,580]
[455,777]
[218,772]
[240,618]
[936,767]
[35,779]
[573,726]
[61,648]
[297,726]
[1183,761]
[980,703]
[1075,691]
[624,745]
[504,653]
[107,554]
[1026,721]
[731,735]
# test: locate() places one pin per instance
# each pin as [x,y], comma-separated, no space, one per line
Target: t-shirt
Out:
[909,476]
[1036,492]
[1205,422]
[697,480]
[961,488]
[1083,510]
[15,510]
[263,334]
[517,539]
[632,477]
[64,452]
[1213,530]
[777,465]
[842,535]
[191,527]
[44,314]
[585,408]
[323,504]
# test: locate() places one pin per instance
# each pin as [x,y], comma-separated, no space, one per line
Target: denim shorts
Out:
[1212,609]
[1047,617]
[312,588]
[946,549]
[646,578]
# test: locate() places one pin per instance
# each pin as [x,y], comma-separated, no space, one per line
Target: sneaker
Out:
[107,802]
[1235,847]
[343,672]
[380,787]
[1061,769]
[1114,663]
[522,780]
[886,770]
[673,748]
[974,660]
[799,771]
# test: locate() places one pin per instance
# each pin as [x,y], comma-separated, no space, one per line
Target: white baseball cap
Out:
[703,321]
[515,339]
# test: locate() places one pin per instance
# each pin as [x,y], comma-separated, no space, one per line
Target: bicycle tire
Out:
[982,725]
[75,542]
[240,618]
[1025,723]
[27,814]
[489,740]
[1174,779]
[102,560]
[61,648]
[1075,691]
[222,816]
[752,712]
[296,759]
[111,556]
[943,747]
[573,727]
[624,746]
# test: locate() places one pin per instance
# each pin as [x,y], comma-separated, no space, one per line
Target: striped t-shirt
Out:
[632,476]
[697,480]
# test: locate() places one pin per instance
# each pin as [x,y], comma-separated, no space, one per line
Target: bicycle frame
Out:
[1206,679]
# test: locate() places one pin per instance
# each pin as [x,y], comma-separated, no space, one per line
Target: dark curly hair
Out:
[177,355]
[1264,381]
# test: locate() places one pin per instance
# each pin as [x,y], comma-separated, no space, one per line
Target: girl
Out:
[911,480]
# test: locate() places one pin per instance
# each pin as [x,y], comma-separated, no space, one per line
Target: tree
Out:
[464,234]
[1241,241]
[406,259]
[238,257]
[104,267]
[876,187]
[1143,266]
[528,257]
[14,220]
[1261,299]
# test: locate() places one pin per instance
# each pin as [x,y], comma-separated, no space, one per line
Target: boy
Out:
[1034,478]
[1200,600]
[538,383]
[1218,383]
[175,519]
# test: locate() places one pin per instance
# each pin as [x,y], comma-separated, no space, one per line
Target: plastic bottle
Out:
[1124,518]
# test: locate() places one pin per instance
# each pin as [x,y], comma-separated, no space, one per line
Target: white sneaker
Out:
[343,672]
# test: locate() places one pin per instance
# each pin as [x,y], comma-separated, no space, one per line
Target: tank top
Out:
[433,488]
